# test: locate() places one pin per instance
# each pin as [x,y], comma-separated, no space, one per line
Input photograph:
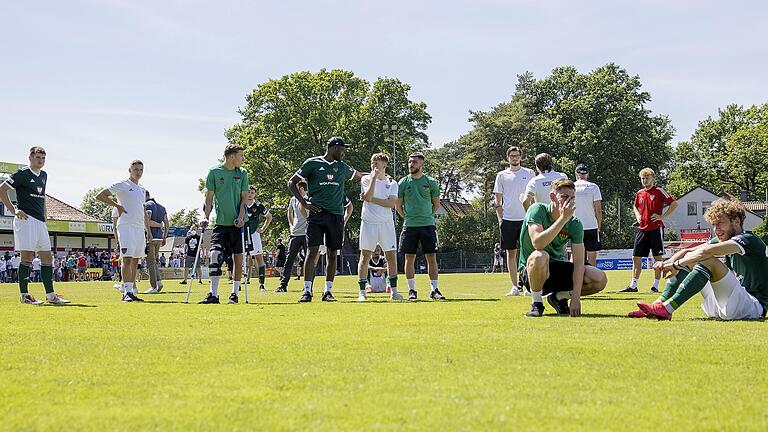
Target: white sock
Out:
[563,295]
[537,298]
[126,288]
[656,283]
[235,287]
[411,284]
[433,283]
[215,285]
[633,284]
[328,286]
[308,287]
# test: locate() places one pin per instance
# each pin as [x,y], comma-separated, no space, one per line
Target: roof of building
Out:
[752,206]
[456,208]
[59,210]
[755,205]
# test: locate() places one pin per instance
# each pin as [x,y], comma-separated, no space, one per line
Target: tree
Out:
[95,208]
[184,218]
[727,153]
[287,120]
[440,165]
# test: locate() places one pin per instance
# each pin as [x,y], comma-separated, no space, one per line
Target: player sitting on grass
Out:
[543,265]
[735,290]
[377,273]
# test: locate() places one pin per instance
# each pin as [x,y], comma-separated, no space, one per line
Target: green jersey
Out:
[750,265]
[417,197]
[541,214]
[325,182]
[227,187]
[253,212]
[30,191]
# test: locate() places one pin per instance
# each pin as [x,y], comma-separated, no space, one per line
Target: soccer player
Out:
[132,225]
[227,188]
[159,226]
[297,241]
[418,198]
[30,234]
[734,290]
[543,265]
[589,211]
[509,187]
[325,176]
[379,195]
[254,209]
[191,243]
[648,207]
[538,188]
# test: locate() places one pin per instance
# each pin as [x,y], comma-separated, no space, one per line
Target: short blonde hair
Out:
[646,172]
[380,157]
[730,209]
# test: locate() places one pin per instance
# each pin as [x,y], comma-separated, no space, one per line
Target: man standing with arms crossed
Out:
[30,234]
[589,211]
[418,198]
[379,195]
[227,188]
[509,186]
[158,225]
[297,227]
[132,224]
[325,176]
[648,207]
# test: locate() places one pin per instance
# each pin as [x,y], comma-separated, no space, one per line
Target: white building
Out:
[690,212]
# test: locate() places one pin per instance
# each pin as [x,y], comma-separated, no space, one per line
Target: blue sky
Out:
[99,83]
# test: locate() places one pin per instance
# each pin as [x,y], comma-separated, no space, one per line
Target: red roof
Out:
[59,210]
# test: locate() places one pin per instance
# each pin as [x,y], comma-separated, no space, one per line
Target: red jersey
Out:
[82,262]
[650,202]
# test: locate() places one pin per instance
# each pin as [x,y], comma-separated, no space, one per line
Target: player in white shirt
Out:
[589,211]
[132,224]
[538,188]
[379,195]
[509,187]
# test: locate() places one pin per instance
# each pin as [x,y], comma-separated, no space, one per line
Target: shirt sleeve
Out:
[263,209]
[401,188]
[305,170]
[576,230]
[434,188]
[116,188]
[210,181]
[744,243]
[530,188]
[497,188]
[538,213]
[364,184]
[14,179]
[351,171]
[598,196]
[394,189]
[668,199]
[244,181]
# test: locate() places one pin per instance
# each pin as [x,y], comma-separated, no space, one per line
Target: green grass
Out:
[471,363]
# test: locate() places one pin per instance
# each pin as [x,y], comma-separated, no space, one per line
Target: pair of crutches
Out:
[193,273]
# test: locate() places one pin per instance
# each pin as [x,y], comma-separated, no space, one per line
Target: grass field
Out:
[471,363]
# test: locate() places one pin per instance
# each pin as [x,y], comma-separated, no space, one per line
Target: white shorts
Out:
[740,305]
[382,234]
[132,241]
[378,284]
[258,249]
[31,235]
[498,261]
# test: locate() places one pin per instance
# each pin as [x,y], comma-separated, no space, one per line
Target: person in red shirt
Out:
[649,205]
[82,264]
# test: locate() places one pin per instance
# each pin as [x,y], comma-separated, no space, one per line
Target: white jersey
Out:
[299,222]
[541,185]
[511,184]
[586,195]
[384,189]
[132,197]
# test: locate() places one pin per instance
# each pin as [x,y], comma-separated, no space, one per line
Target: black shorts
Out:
[560,277]
[649,241]
[227,239]
[510,234]
[592,241]
[411,237]
[325,227]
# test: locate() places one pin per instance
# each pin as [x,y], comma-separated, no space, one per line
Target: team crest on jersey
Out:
[563,235]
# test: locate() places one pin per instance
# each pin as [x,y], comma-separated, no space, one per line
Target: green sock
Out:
[690,286]
[262,273]
[24,277]
[362,283]
[46,273]
[671,286]
[393,281]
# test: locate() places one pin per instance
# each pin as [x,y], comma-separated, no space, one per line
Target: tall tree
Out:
[184,218]
[93,207]
[287,120]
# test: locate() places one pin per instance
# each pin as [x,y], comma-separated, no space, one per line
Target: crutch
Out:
[193,273]
[245,255]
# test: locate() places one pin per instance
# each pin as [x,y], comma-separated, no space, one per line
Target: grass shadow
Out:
[79,305]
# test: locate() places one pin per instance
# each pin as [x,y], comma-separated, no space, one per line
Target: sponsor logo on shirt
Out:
[329,176]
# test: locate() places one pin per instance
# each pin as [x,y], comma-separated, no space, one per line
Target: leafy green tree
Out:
[93,207]
[726,153]
[184,218]
[287,120]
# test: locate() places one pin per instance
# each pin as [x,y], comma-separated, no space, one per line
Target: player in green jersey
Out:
[227,189]
[325,176]
[544,265]
[30,234]
[736,289]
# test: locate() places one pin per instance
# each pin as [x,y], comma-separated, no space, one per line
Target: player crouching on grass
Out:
[543,265]
[734,290]
[30,234]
